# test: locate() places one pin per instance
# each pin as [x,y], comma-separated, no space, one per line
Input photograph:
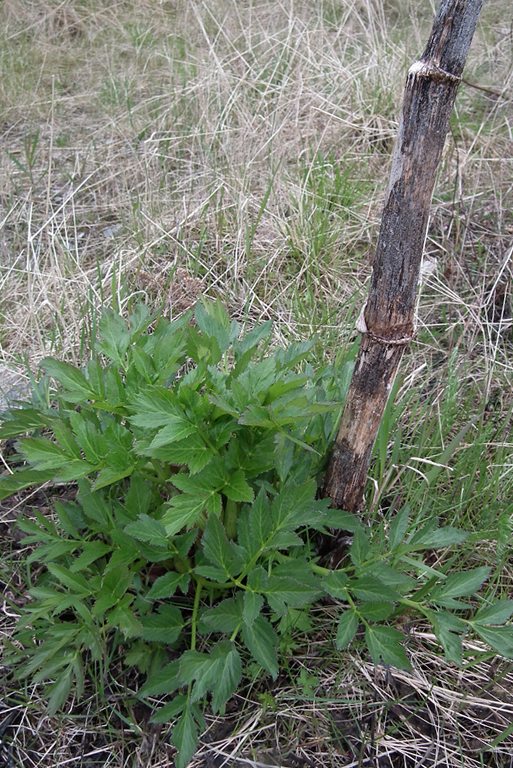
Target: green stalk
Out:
[230,519]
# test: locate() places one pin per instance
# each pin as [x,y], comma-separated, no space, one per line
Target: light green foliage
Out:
[197,453]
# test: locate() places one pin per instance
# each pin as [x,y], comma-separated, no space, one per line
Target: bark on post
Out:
[387,322]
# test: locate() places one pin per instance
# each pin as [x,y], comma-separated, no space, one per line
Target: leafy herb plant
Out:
[196,453]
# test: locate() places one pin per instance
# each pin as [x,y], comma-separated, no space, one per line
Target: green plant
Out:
[196,453]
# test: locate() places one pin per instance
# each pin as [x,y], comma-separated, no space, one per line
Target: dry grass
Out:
[158,149]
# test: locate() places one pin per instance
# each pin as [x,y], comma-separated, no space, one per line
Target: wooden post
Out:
[387,322]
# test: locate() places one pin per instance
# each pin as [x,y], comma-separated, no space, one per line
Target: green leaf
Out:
[335,584]
[292,585]
[398,528]
[183,510]
[21,479]
[115,337]
[261,526]
[124,619]
[261,641]
[228,675]
[448,629]
[77,387]
[237,488]
[212,319]
[166,586]
[372,590]
[165,626]
[170,711]
[44,454]
[391,577]
[219,550]
[218,671]
[347,628]
[461,584]
[225,617]
[163,680]
[497,613]
[154,407]
[192,452]
[110,475]
[60,691]
[73,581]
[344,521]
[385,646]
[498,638]
[252,607]
[185,738]
[91,551]
[94,505]
[436,538]
[17,421]
[147,529]
[177,428]
[376,611]
[360,547]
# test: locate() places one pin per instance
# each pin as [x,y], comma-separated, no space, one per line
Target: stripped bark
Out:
[387,322]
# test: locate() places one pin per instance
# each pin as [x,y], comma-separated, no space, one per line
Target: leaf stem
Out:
[195,610]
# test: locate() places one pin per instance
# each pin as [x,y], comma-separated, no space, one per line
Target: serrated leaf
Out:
[360,547]
[147,529]
[73,581]
[391,577]
[211,572]
[213,320]
[253,603]
[60,691]
[497,613]
[124,619]
[177,428]
[170,711]
[115,337]
[154,409]
[298,588]
[448,629]
[372,590]
[164,680]
[185,738]
[165,626]
[462,584]
[204,669]
[91,551]
[341,520]
[138,498]
[219,551]
[77,387]
[43,454]
[17,421]
[228,675]
[183,510]
[191,452]
[335,584]
[385,646]
[398,528]
[110,475]
[224,617]
[166,585]
[436,538]
[347,628]
[261,641]
[21,479]
[376,611]
[498,638]
[237,488]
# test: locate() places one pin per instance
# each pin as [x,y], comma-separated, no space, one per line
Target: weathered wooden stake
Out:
[387,322]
